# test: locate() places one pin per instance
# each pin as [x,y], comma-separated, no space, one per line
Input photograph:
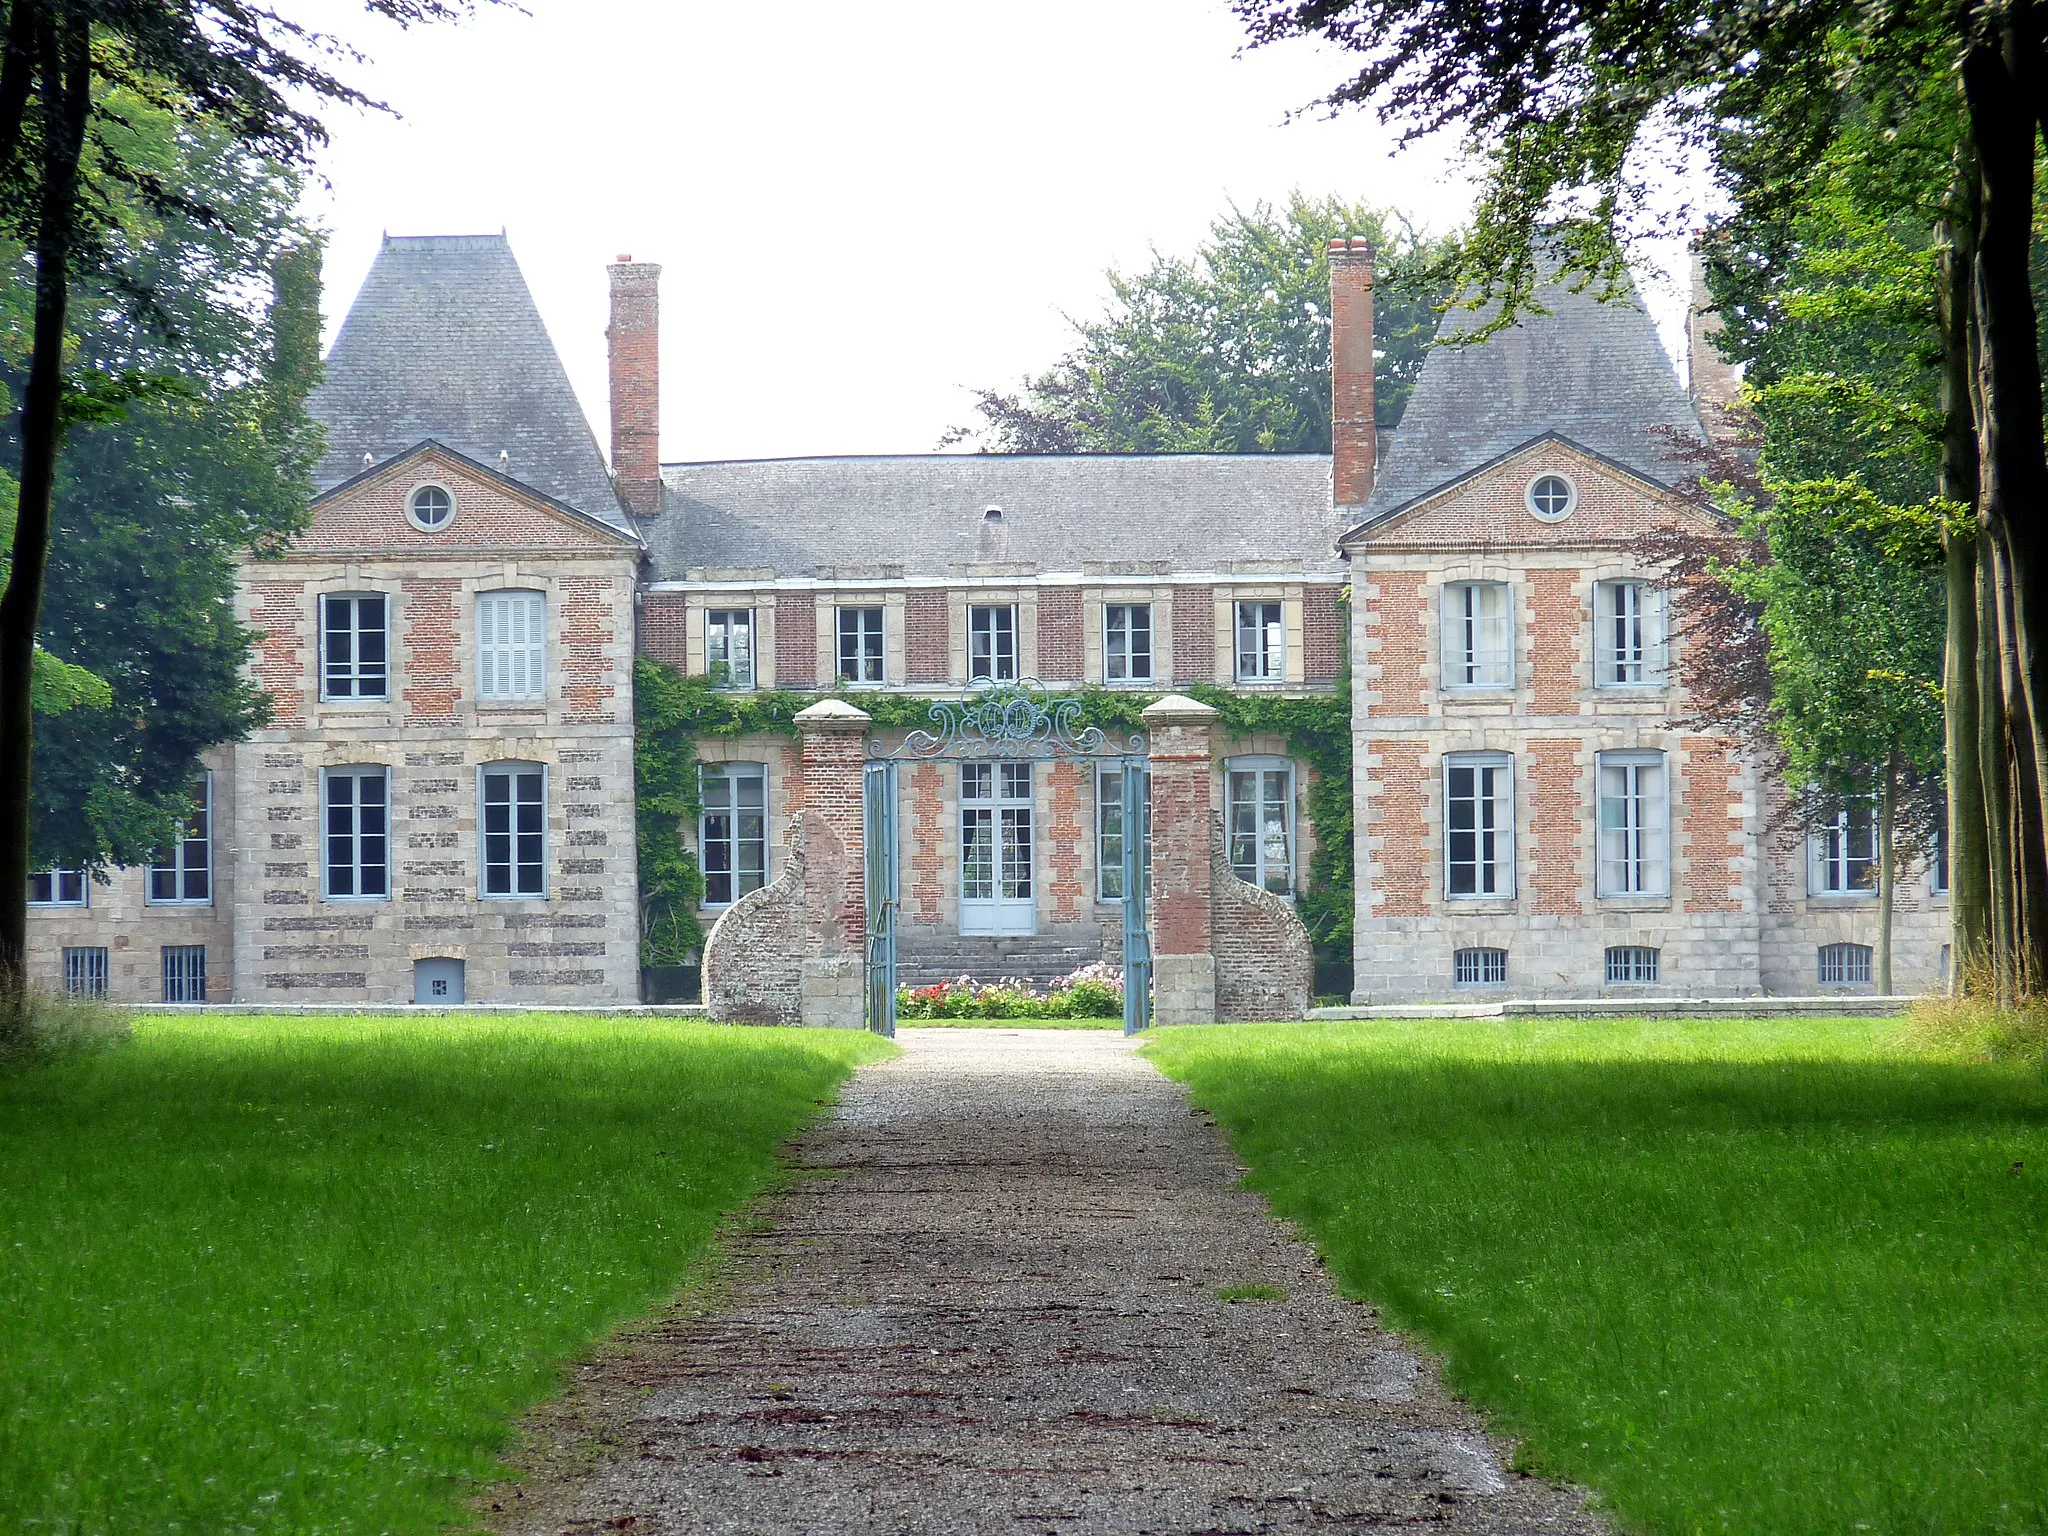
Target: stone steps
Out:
[922,961]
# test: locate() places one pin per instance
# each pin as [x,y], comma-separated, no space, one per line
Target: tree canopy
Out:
[1227,350]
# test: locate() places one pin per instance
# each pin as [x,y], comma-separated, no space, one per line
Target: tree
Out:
[69,168]
[1226,351]
[1574,112]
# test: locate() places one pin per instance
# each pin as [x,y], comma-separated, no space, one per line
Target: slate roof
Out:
[444,342]
[925,514]
[1589,371]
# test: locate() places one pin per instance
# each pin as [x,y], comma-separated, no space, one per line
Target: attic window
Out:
[1552,497]
[991,513]
[430,507]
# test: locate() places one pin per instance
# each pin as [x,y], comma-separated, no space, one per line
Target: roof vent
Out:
[369,458]
[504,461]
[992,513]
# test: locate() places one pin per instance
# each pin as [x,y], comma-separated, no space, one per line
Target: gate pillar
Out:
[834,762]
[1180,732]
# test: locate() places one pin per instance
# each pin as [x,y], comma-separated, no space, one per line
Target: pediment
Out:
[492,513]
[1489,507]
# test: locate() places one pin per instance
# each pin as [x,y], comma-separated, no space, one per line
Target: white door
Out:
[996,849]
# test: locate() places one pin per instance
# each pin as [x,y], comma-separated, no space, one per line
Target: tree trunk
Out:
[2001,85]
[1887,870]
[64,66]
[1994,758]
[1969,857]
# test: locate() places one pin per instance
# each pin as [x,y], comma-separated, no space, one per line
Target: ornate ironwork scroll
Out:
[1013,720]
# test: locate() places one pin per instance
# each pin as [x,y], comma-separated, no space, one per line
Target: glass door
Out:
[996,854]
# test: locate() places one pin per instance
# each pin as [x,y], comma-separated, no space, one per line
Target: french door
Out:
[996,894]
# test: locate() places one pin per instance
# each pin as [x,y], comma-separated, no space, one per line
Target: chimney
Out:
[1711,380]
[634,336]
[1354,439]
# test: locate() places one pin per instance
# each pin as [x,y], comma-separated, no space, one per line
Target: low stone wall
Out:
[754,954]
[1265,965]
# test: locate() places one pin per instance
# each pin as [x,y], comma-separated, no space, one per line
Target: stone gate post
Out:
[834,755]
[1183,809]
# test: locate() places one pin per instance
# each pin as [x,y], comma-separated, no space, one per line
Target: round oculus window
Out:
[430,507]
[1552,497]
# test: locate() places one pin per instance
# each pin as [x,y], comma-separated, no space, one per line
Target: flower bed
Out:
[1092,992]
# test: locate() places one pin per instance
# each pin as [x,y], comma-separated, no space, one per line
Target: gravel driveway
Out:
[993,1307]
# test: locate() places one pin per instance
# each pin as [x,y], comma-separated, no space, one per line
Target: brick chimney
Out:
[634,336]
[1354,439]
[1713,382]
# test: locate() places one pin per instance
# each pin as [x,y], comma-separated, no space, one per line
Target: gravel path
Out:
[993,1308]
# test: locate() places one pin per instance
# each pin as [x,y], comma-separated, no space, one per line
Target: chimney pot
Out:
[634,341]
[1354,437]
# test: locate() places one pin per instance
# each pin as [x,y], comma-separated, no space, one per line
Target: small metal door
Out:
[1137,825]
[437,981]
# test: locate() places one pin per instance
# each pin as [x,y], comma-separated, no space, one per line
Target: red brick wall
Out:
[431,687]
[1194,634]
[796,640]
[1060,656]
[634,338]
[1066,839]
[1490,511]
[1322,634]
[489,518]
[834,791]
[1183,805]
[930,837]
[587,635]
[1404,857]
[1710,820]
[1556,635]
[279,610]
[665,629]
[1395,666]
[925,652]
[1558,814]
[1354,435]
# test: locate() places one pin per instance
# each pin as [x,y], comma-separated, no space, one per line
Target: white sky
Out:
[861,211]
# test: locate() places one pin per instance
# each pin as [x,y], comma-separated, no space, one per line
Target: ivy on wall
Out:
[672,713]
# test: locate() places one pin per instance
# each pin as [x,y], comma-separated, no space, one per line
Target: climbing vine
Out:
[673,713]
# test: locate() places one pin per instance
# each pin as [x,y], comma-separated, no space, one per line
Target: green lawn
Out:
[1757,1277]
[288,1275]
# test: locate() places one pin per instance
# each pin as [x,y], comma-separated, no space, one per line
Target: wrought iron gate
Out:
[1015,721]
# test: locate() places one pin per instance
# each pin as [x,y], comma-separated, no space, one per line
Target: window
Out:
[1475,639]
[1127,642]
[992,643]
[184,872]
[85,972]
[1261,812]
[1628,635]
[184,973]
[430,508]
[1845,965]
[1552,497]
[1479,825]
[732,839]
[515,823]
[860,645]
[355,826]
[1631,964]
[1843,852]
[1261,643]
[511,645]
[352,647]
[1109,834]
[1479,968]
[1937,855]
[1634,840]
[57,888]
[729,647]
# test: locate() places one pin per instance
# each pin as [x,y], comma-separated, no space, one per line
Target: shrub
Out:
[1092,992]
[35,1025]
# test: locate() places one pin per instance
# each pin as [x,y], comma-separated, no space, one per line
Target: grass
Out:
[1250,1293]
[299,1276]
[1740,1276]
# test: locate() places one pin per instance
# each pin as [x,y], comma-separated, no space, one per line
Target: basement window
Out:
[1480,968]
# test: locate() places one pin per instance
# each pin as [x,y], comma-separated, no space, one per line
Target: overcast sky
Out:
[862,211]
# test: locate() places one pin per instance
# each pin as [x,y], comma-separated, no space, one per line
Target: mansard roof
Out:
[925,515]
[1588,370]
[444,342]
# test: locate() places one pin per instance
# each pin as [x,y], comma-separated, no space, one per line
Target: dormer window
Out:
[430,507]
[991,513]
